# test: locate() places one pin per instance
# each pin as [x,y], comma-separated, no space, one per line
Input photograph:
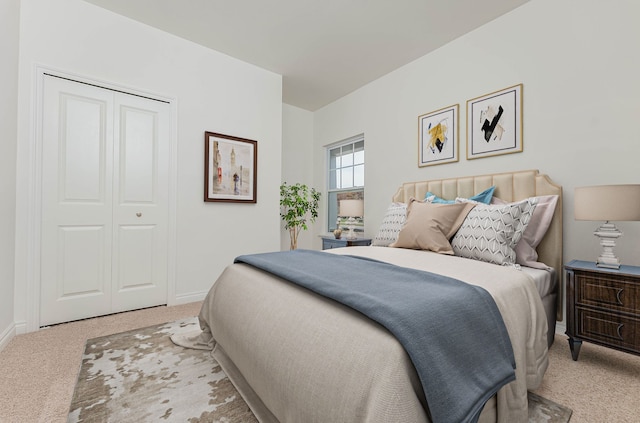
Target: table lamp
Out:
[351,209]
[607,203]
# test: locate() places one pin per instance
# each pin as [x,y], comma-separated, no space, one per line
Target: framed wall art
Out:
[230,168]
[494,123]
[438,136]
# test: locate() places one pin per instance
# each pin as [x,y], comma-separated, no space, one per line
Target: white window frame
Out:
[356,190]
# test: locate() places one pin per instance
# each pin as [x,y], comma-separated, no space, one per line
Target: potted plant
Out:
[298,204]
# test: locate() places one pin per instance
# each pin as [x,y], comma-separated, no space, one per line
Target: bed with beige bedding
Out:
[297,356]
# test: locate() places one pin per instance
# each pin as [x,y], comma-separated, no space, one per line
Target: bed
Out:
[296,356]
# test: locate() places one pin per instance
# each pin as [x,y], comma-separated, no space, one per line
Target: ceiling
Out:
[324,49]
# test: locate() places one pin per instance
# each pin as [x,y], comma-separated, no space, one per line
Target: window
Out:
[346,179]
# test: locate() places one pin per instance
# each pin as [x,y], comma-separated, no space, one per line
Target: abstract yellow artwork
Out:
[438,136]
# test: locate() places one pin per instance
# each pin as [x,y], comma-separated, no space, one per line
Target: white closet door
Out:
[140,195]
[104,162]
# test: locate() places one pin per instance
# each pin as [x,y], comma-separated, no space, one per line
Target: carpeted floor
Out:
[39,371]
[140,375]
[602,386]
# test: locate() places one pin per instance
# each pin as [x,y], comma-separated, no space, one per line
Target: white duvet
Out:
[298,357]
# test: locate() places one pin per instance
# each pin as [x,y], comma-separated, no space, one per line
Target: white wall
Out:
[213,92]
[297,163]
[579,63]
[9,22]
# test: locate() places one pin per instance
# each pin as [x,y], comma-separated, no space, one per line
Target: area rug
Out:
[141,376]
[542,410]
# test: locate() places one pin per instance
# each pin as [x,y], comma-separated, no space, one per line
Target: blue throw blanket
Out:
[451,330]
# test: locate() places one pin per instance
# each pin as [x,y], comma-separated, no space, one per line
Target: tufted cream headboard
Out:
[511,186]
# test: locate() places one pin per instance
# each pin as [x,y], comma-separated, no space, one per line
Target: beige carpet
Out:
[39,371]
[602,386]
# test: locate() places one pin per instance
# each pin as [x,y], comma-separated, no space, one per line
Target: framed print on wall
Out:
[230,168]
[494,123]
[438,136]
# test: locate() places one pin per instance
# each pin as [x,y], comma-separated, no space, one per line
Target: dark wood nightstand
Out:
[603,306]
[330,241]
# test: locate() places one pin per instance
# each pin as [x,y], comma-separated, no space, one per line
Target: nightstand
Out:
[329,242]
[603,306]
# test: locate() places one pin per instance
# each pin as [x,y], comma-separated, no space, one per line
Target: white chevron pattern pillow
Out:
[393,221]
[491,232]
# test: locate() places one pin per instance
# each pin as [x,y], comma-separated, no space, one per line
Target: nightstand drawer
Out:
[619,294]
[328,244]
[608,328]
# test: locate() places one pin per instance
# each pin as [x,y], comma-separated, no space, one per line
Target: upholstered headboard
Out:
[511,186]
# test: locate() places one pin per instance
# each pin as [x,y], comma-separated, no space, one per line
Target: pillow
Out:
[430,226]
[491,232]
[392,222]
[482,197]
[526,253]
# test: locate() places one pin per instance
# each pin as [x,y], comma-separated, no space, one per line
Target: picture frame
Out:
[438,139]
[494,123]
[230,168]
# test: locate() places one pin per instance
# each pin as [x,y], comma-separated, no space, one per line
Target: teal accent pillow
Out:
[482,197]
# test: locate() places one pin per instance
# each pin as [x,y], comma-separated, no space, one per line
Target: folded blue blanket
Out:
[452,331]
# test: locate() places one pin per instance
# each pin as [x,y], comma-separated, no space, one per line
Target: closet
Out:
[104,217]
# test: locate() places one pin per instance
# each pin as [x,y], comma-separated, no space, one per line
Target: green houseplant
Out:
[298,205]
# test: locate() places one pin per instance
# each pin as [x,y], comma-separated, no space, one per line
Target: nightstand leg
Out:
[574,346]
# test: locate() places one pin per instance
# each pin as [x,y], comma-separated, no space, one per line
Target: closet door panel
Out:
[138,155]
[76,227]
[140,214]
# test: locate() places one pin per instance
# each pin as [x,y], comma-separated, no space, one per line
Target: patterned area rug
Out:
[141,376]
[542,410]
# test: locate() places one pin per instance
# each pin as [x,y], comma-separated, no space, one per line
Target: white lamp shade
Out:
[351,208]
[607,202]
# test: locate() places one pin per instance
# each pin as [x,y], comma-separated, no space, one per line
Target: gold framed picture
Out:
[438,136]
[494,123]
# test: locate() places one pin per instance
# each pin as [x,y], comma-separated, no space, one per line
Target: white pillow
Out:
[526,253]
[392,223]
[491,232]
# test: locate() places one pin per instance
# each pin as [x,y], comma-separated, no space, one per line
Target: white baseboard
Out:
[190,297]
[561,328]
[7,335]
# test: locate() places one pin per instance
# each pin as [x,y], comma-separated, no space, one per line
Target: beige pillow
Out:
[430,226]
